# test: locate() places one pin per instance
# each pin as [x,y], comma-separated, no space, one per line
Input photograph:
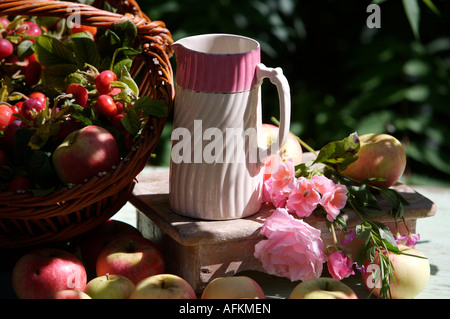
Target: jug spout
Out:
[178,47]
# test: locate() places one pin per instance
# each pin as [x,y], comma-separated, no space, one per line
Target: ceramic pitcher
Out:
[217,151]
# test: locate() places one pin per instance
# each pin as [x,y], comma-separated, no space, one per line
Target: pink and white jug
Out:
[217,148]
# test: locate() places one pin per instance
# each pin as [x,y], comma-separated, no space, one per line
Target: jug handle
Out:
[276,77]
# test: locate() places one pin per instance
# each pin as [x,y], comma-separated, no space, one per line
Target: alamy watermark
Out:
[374,279]
[74,18]
[213,145]
[374,19]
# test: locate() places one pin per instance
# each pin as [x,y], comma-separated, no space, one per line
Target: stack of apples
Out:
[121,262]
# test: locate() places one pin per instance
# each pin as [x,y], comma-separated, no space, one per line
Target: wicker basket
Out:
[27,220]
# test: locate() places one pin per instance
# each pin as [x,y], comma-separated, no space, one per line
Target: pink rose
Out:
[340,265]
[278,199]
[304,198]
[293,248]
[333,196]
[269,165]
[283,175]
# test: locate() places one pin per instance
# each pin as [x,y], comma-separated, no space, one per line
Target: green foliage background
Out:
[344,76]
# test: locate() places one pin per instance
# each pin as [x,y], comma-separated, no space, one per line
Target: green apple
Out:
[109,287]
[163,286]
[234,287]
[322,288]
[380,156]
[411,274]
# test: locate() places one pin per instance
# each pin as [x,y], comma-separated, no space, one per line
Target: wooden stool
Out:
[200,251]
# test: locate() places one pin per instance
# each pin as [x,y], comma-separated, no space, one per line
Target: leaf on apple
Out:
[339,154]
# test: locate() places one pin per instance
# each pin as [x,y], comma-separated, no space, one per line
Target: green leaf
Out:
[25,49]
[50,51]
[151,107]
[126,78]
[127,32]
[123,53]
[122,64]
[86,51]
[363,230]
[384,234]
[55,75]
[412,11]
[363,253]
[108,43]
[395,200]
[339,154]
[432,7]
[131,121]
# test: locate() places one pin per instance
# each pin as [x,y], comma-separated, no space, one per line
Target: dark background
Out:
[344,76]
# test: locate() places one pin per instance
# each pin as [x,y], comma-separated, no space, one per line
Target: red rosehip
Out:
[6,116]
[79,93]
[6,48]
[38,96]
[106,106]
[30,108]
[103,81]
[33,73]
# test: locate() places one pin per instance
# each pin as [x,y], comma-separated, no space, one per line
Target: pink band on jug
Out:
[232,72]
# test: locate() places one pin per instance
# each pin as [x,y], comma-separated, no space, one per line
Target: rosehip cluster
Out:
[106,105]
[10,38]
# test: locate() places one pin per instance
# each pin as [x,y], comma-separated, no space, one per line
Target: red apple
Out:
[109,287]
[380,156]
[411,274]
[93,241]
[234,287]
[42,272]
[131,256]
[291,149]
[85,153]
[69,294]
[163,286]
[322,288]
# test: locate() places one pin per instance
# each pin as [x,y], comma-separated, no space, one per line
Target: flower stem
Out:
[309,148]
[333,232]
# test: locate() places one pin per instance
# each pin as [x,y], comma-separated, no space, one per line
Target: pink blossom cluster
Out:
[302,195]
[293,248]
